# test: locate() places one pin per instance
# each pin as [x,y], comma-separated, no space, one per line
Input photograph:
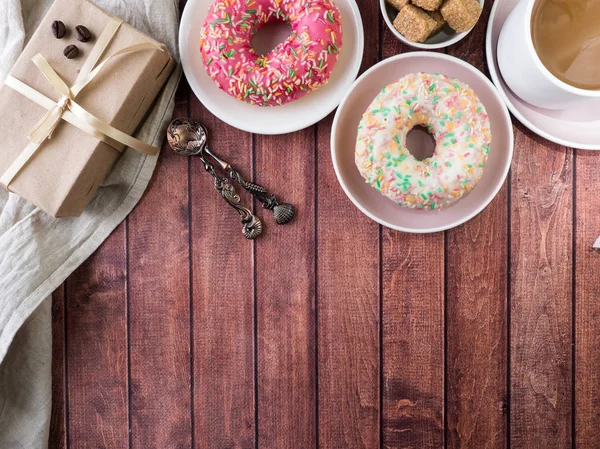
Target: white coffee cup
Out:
[524,72]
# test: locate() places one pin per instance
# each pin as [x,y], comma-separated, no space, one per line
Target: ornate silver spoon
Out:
[283,213]
[188,138]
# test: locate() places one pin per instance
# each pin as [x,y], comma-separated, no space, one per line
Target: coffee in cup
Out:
[549,52]
[566,37]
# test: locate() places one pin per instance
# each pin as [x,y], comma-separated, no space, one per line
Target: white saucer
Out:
[577,127]
[370,201]
[291,117]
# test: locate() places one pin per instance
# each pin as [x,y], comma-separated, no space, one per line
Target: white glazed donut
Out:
[457,119]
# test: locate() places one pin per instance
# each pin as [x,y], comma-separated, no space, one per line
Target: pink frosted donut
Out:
[301,63]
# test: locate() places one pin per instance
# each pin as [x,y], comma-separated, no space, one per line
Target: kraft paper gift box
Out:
[65,171]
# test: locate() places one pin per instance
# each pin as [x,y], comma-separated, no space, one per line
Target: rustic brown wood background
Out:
[333,332]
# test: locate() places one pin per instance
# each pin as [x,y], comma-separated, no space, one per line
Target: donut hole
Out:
[420,143]
[270,36]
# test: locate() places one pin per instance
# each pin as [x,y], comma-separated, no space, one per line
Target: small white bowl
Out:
[443,39]
[382,209]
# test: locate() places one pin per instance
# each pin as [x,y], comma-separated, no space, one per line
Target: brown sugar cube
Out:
[461,15]
[429,5]
[439,21]
[414,23]
[398,4]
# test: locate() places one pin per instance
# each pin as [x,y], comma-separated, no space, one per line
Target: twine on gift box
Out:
[66,108]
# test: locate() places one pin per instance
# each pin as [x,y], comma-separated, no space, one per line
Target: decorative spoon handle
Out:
[252,225]
[283,212]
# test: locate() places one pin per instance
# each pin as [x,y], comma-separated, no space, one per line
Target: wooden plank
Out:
[373,27]
[58,429]
[587,312]
[413,340]
[540,305]
[159,305]
[476,320]
[413,329]
[96,342]
[477,330]
[348,296]
[285,289]
[348,306]
[223,291]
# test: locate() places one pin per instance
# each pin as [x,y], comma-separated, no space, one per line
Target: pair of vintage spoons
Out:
[188,138]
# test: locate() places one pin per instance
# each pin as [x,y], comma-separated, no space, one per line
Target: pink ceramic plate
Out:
[380,208]
[577,127]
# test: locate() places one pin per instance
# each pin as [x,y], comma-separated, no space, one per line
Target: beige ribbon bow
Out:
[66,108]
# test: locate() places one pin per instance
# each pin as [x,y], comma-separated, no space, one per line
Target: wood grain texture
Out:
[413,340]
[476,309]
[541,294]
[159,306]
[97,339]
[348,296]
[477,330]
[195,306]
[587,307]
[285,286]
[223,308]
[348,306]
[58,418]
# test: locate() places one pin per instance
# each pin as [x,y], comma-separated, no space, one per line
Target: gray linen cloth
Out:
[37,252]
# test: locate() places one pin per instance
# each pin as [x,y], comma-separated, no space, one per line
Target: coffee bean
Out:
[71,51]
[83,34]
[58,29]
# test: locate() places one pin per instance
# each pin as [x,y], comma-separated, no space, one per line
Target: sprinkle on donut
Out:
[300,64]
[456,118]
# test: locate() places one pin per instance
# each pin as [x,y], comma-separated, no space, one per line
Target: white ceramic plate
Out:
[290,117]
[443,39]
[577,127]
[384,210]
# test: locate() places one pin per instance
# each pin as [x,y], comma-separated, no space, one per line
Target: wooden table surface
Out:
[334,332]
